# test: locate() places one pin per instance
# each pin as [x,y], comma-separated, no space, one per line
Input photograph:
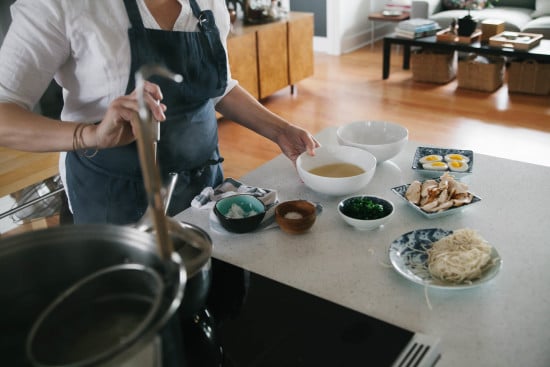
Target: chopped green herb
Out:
[363,208]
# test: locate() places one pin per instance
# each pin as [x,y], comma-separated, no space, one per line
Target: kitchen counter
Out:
[505,322]
[21,169]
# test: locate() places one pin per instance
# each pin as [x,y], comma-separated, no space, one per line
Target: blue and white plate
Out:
[408,255]
[424,151]
[402,190]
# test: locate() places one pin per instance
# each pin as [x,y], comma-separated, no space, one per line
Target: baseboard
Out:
[354,41]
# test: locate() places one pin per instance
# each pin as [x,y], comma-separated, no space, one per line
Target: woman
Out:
[93,49]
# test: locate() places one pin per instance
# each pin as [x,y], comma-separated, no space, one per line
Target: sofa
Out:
[530,16]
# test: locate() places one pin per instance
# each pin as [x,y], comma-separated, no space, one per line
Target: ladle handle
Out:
[146,140]
[170,190]
[151,180]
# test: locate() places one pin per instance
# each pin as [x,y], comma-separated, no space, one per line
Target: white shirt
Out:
[84,45]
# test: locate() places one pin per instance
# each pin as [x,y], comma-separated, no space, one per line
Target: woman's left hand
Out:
[239,106]
[294,140]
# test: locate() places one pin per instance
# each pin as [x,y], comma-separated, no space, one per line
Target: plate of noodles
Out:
[440,258]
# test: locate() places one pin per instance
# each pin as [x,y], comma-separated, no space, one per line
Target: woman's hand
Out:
[118,126]
[294,140]
[239,106]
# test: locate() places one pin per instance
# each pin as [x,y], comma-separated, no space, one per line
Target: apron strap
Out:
[196,9]
[207,26]
[133,14]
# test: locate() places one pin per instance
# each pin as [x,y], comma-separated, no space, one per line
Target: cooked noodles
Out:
[460,257]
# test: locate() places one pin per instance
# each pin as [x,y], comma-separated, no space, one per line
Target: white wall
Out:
[348,27]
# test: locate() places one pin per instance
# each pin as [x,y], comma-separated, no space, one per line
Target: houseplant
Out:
[467,24]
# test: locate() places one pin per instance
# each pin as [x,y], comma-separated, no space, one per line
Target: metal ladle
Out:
[147,137]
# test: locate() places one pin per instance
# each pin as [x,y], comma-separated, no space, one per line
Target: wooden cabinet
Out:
[242,59]
[268,57]
[272,49]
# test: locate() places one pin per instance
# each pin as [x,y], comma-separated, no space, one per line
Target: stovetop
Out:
[261,322]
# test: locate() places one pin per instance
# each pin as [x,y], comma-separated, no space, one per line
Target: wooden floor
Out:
[350,87]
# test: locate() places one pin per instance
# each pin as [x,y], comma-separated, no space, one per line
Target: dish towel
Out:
[208,196]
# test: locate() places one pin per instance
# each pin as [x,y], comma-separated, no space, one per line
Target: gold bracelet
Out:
[78,141]
[85,153]
[76,144]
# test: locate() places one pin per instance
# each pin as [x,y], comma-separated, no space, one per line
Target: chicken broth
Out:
[337,170]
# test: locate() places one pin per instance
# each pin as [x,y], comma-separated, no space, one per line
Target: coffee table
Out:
[538,53]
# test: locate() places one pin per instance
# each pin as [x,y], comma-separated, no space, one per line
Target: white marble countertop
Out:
[505,322]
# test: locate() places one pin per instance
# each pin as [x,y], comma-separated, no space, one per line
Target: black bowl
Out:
[240,220]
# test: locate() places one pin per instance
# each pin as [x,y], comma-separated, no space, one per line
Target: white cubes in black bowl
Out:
[240,213]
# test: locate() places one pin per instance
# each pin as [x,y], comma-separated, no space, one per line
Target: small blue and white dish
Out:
[421,152]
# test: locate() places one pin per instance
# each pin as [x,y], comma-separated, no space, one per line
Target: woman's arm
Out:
[25,130]
[239,106]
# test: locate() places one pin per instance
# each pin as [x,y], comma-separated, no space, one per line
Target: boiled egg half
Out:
[436,166]
[458,166]
[430,158]
[457,157]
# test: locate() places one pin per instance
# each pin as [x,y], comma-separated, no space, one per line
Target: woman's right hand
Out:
[119,124]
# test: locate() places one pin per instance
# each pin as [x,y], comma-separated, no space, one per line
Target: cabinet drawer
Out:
[272,58]
[242,60]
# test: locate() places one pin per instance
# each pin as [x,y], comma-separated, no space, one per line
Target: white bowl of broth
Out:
[336,169]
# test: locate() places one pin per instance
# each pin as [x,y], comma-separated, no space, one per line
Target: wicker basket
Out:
[529,77]
[433,66]
[485,74]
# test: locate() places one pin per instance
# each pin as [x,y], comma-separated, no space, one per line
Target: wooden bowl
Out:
[295,216]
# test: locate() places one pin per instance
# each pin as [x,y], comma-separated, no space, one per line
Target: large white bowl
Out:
[381,138]
[331,154]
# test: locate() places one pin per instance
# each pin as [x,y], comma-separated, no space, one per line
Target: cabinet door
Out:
[272,58]
[242,56]
[300,48]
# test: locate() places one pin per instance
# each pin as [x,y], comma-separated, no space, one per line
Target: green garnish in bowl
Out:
[362,207]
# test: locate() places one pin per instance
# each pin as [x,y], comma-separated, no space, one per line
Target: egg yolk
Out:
[438,164]
[432,158]
[456,157]
[455,164]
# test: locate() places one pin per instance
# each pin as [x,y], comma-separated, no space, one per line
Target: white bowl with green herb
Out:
[365,212]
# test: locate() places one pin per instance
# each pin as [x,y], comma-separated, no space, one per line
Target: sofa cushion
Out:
[515,18]
[542,8]
[461,4]
[540,25]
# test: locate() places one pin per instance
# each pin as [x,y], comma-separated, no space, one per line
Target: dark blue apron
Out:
[108,188]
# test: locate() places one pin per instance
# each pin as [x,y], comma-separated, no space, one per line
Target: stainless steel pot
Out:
[96,318]
[36,267]
[194,246]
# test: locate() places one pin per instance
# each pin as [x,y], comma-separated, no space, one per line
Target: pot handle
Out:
[199,249]
[145,224]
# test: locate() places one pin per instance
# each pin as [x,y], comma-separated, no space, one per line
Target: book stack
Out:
[416,28]
[398,6]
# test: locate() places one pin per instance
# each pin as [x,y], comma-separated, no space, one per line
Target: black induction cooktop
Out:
[259,322]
